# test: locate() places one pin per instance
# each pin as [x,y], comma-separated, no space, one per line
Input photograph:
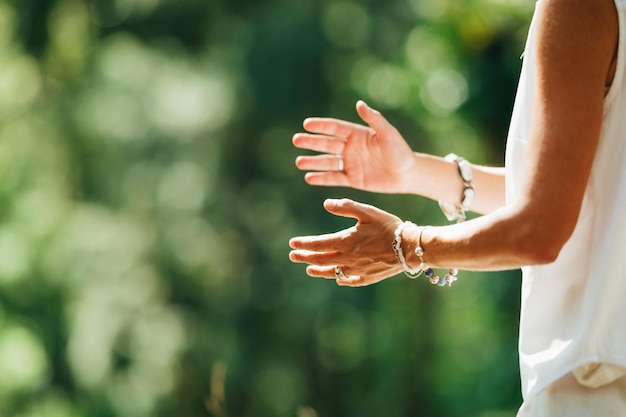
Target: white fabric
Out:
[573,316]
[567,397]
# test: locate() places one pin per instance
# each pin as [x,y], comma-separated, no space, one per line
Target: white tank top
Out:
[573,316]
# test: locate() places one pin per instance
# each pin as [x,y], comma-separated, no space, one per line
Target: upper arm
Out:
[576,40]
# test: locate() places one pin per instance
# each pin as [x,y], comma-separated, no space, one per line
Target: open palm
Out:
[375,158]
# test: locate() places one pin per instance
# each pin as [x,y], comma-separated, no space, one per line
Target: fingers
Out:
[333,241]
[324,162]
[333,127]
[322,250]
[327,179]
[319,143]
[319,243]
[374,119]
[317,258]
[328,272]
[323,265]
[328,249]
[352,281]
[330,134]
[352,209]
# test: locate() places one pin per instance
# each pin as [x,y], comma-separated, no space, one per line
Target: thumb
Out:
[349,208]
[374,119]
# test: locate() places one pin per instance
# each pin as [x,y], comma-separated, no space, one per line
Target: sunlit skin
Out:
[573,69]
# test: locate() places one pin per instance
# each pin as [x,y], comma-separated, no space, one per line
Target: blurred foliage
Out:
[147,194]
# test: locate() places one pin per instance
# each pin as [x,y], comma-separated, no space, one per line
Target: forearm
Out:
[508,238]
[435,178]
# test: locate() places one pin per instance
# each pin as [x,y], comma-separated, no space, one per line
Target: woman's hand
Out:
[374,158]
[363,252]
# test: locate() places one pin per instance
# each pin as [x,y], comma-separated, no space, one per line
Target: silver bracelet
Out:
[396,245]
[456,212]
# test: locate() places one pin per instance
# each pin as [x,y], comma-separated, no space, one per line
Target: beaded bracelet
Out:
[449,278]
[396,245]
[452,212]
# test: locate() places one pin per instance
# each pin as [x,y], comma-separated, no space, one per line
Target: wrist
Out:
[409,177]
[455,211]
[401,251]
[412,254]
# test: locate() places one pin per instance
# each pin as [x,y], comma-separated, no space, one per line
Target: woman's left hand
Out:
[363,252]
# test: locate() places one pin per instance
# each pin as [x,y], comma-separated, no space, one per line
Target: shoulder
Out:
[586,21]
[576,40]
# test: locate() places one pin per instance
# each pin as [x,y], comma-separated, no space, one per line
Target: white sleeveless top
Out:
[573,316]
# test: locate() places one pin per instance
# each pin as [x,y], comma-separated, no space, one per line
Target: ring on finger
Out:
[339,274]
[339,162]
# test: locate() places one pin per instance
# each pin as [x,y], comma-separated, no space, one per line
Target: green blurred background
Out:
[148,191]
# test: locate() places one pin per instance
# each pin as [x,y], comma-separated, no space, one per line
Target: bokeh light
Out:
[148,193]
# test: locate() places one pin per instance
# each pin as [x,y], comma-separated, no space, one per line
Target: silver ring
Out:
[340,163]
[339,273]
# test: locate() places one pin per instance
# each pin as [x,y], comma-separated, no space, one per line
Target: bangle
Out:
[453,212]
[457,211]
[396,245]
[449,278]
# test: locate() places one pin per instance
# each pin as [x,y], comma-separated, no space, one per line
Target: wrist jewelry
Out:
[457,211]
[449,278]
[396,245]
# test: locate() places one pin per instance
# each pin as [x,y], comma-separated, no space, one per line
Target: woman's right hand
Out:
[375,158]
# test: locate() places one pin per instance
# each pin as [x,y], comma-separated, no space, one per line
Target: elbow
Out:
[542,253]
[541,239]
